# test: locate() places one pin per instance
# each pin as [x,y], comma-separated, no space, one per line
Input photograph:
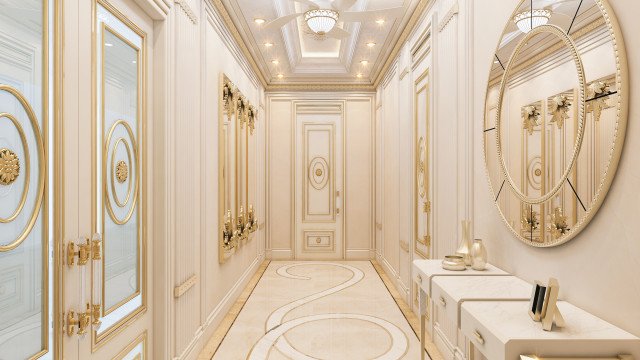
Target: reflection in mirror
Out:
[24,240]
[549,95]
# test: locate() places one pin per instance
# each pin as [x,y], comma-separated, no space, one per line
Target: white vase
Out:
[478,255]
[464,249]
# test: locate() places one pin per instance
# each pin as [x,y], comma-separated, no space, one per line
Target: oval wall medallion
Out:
[318,172]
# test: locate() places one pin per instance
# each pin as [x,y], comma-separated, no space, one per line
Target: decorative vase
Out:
[478,255]
[464,249]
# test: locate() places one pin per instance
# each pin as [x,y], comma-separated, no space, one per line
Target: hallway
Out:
[319,310]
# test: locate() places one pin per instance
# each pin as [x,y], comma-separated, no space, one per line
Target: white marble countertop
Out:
[461,288]
[428,269]
[509,320]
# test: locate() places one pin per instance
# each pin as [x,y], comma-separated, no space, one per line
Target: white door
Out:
[319,180]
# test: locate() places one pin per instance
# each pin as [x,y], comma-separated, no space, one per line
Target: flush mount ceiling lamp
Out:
[529,20]
[321,21]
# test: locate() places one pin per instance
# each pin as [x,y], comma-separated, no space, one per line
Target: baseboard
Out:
[395,278]
[279,254]
[205,331]
[358,254]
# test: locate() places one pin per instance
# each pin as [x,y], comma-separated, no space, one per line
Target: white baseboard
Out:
[359,254]
[279,254]
[204,332]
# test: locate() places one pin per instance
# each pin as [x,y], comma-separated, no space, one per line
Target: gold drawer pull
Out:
[419,279]
[478,337]
[443,302]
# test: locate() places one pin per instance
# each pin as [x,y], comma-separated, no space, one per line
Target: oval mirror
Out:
[555,116]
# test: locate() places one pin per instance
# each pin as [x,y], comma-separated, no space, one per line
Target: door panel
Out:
[422,204]
[25,263]
[117,282]
[318,181]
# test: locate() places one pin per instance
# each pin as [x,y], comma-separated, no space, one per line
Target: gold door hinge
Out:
[96,311]
[427,240]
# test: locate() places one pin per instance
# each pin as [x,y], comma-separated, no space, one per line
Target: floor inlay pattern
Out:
[320,310]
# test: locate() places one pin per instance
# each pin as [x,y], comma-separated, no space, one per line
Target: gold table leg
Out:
[423,320]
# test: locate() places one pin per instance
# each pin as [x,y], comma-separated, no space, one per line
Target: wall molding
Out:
[204,332]
[184,5]
[455,9]
[358,254]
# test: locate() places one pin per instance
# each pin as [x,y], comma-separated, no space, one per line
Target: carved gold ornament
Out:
[421,167]
[558,226]
[559,107]
[530,117]
[9,166]
[529,219]
[598,91]
[122,171]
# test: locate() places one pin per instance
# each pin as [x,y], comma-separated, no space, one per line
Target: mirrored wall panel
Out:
[236,125]
[555,116]
[119,158]
[25,265]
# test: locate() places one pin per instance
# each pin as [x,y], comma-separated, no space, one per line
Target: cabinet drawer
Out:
[483,340]
[445,303]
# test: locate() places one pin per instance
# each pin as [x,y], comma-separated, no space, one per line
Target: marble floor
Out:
[320,310]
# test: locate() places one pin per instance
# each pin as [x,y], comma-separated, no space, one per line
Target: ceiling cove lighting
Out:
[259,21]
[528,20]
[321,21]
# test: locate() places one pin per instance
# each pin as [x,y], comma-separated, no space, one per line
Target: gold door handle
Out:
[443,302]
[338,211]
[81,250]
[80,320]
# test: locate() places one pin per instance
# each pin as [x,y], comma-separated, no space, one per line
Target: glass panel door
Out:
[25,222]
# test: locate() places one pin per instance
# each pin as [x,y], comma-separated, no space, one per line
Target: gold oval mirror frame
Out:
[571,129]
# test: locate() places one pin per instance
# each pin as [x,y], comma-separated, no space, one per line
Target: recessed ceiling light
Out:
[259,21]
[268,44]
[380,21]
[108,44]
[359,75]
[364,62]
[371,44]
[280,76]
[275,62]
[496,62]
[133,62]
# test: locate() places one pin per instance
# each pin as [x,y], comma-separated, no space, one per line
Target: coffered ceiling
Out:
[296,58]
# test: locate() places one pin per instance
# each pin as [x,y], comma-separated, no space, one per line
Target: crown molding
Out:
[228,22]
[420,10]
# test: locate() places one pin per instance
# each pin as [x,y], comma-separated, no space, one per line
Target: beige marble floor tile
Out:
[320,310]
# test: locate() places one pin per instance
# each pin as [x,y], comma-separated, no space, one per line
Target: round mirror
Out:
[555,116]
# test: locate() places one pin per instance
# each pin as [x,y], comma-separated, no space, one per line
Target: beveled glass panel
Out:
[24,224]
[120,69]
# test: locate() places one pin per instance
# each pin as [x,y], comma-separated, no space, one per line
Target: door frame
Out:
[294,176]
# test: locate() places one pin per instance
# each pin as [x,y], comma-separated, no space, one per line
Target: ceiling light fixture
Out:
[371,44]
[528,20]
[359,75]
[275,62]
[321,21]
[280,76]
[380,21]
[108,44]
[364,62]
[268,44]
[259,21]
